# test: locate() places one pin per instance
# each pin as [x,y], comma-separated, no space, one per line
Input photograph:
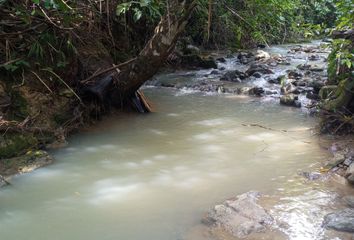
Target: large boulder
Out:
[342,220]
[193,61]
[240,216]
[261,68]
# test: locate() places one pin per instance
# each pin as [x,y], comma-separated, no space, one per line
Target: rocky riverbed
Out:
[293,74]
[256,215]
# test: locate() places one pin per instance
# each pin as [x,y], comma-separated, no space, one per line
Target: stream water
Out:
[138,177]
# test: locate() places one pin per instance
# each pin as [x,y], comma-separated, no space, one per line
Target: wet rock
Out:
[311,175]
[289,88]
[292,74]
[257,75]
[316,85]
[234,76]
[222,60]
[290,100]
[257,91]
[261,45]
[271,92]
[195,61]
[214,72]
[348,162]
[312,68]
[239,217]
[222,68]
[277,80]
[261,68]
[342,220]
[262,55]
[245,58]
[243,90]
[314,57]
[313,96]
[349,200]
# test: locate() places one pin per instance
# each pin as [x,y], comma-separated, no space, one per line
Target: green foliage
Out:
[148,8]
[237,23]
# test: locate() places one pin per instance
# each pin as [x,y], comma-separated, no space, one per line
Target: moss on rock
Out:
[12,145]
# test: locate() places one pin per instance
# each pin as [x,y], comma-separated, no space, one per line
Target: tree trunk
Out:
[155,51]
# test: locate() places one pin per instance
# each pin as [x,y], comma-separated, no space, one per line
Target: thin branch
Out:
[107,70]
[39,78]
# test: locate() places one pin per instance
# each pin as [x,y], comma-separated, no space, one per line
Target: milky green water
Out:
[153,176]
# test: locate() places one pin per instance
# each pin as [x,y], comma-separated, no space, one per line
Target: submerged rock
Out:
[240,217]
[342,220]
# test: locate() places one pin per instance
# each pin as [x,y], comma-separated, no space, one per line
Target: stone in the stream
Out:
[276,80]
[292,74]
[239,217]
[349,200]
[245,58]
[311,175]
[314,57]
[257,75]
[262,55]
[256,91]
[221,59]
[214,72]
[290,100]
[313,96]
[289,88]
[233,76]
[193,61]
[342,220]
[312,68]
[261,68]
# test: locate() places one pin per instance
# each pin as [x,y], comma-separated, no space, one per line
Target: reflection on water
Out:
[138,177]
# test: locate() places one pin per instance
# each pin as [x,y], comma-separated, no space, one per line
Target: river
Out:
[153,176]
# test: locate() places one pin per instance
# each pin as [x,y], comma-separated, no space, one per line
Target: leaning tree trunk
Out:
[155,51]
